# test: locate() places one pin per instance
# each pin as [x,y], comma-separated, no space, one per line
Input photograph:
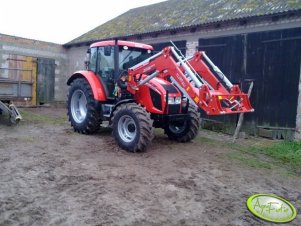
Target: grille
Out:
[174,109]
[156,99]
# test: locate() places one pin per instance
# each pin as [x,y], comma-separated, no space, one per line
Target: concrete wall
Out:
[27,47]
[76,59]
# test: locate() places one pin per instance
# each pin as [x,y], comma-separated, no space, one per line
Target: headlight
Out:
[171,100]
[174,100]
[178,100]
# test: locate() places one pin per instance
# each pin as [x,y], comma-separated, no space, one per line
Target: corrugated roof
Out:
[173,14]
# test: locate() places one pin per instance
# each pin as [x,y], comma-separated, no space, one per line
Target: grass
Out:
[269,155]
[32,117]
[250,160]
[287,152]
[205,140]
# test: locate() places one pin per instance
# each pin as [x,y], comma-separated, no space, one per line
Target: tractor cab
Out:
[110,60]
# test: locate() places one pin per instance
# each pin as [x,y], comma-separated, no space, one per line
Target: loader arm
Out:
[195,80]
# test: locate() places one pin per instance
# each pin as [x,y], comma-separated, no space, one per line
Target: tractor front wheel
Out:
[132,127]
[185,131]
[82,107]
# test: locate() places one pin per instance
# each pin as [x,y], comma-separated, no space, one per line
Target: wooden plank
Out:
[45,80]
[34,81]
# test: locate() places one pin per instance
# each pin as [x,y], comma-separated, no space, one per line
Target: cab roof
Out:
[122,43]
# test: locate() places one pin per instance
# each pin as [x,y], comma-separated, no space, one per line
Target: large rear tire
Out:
[83,112]
[186,130]
[132,127]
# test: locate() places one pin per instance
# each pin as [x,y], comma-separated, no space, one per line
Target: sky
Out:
[60,21]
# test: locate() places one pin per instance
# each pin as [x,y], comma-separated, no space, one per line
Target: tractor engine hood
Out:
[157,94]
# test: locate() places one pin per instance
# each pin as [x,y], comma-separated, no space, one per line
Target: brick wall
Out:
[191,47]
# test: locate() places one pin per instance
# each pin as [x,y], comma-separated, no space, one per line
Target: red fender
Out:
[96,85]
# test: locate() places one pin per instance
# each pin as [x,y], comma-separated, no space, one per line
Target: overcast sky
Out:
[60,21]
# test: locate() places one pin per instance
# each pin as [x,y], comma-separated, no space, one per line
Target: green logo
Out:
[271,208]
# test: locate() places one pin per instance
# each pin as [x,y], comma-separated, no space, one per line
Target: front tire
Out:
[83,112]
[132,127]
[186,130]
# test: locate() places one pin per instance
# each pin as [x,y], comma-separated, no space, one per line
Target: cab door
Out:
[105,67]
[101,62]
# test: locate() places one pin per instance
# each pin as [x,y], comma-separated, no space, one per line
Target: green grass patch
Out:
[159,132]
[249,160]
[287,152]
[206,140]
[32,117]
[269,155]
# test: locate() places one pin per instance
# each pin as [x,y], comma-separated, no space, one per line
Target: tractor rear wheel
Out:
[82,107]
[186,130]
[132,127]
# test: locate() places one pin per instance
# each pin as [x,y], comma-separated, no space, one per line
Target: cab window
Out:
[93,59]
[105,61]
[128,56]
[105,68]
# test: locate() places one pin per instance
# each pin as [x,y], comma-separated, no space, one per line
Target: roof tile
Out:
[173,14]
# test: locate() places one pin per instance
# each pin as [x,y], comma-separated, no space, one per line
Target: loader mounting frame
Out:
[13,112]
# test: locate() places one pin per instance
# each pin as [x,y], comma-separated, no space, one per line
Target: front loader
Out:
[137,91]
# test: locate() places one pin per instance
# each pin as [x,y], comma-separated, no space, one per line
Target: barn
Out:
[250,40]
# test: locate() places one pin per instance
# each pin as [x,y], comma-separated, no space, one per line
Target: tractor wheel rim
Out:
[79,106]
[176,128]
[127,129]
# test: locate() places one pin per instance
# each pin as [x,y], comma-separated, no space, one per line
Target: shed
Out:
[248,39]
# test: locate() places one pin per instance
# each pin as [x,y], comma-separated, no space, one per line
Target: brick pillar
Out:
[298,117]
[191,47]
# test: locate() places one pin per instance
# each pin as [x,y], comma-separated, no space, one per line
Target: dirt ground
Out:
[50,175]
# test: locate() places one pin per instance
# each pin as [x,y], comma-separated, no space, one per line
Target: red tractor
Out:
[137,91]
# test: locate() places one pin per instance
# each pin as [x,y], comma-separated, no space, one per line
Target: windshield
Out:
[129,56]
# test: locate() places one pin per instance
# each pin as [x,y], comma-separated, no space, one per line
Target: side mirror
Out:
[107,50]
[87,63]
